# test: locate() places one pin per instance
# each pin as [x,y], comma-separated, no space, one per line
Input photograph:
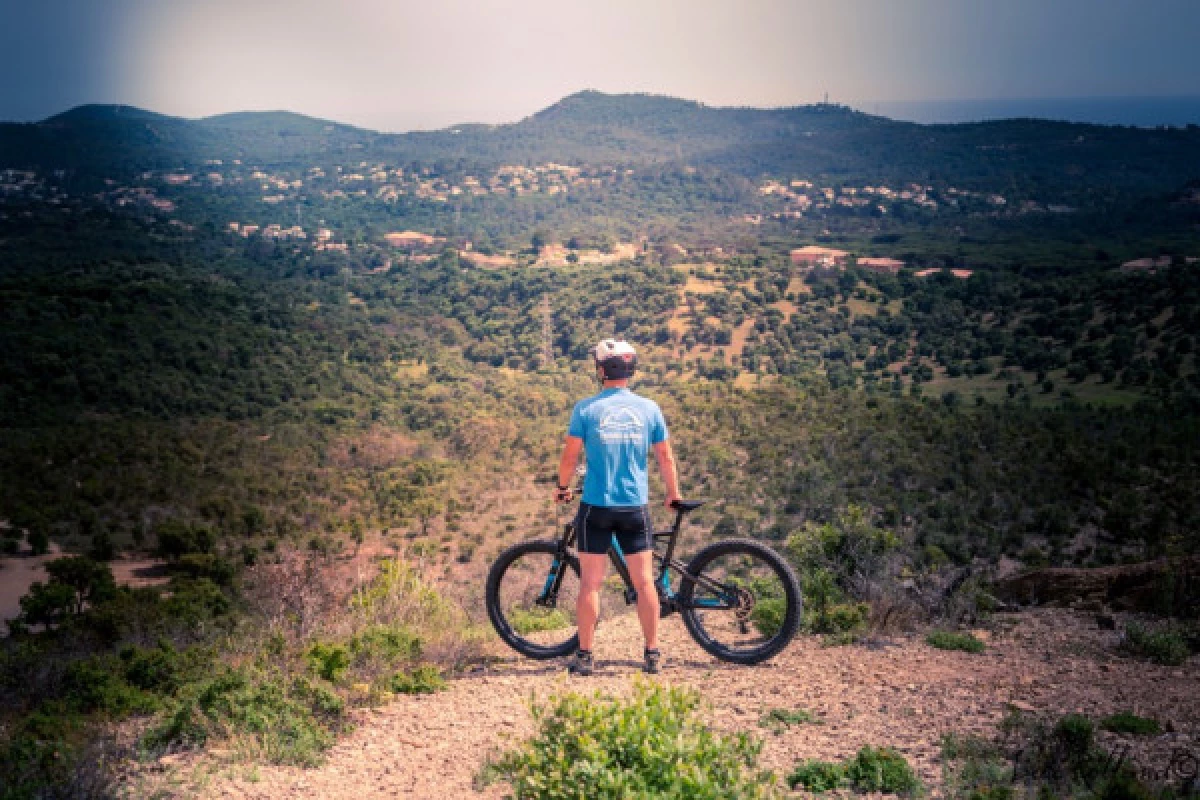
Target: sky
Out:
[399,65]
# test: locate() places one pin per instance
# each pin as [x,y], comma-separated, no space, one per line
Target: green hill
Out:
[591,127]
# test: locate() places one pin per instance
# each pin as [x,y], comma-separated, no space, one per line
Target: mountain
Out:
[829,141]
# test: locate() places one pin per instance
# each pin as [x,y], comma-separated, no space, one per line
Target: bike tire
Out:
[697,622]
[520,557]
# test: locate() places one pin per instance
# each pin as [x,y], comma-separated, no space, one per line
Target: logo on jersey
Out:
[621,425]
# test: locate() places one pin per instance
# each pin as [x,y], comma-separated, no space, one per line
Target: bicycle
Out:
[739,599]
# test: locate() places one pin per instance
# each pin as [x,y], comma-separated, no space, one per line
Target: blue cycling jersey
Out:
[617,428]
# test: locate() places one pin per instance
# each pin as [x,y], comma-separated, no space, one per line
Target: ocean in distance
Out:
[1143,112]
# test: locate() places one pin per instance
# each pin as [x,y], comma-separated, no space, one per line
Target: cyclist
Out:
[616,429]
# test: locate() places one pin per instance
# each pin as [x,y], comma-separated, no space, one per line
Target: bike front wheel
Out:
[742,603]
[531,593]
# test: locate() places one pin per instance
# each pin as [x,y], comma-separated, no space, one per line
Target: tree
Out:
[91,582]
[39,542]
[47,604]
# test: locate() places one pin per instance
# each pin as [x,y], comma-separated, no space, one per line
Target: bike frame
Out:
[726,599]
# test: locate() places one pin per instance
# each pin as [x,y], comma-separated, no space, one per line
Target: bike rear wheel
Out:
[532,624]
[744,605]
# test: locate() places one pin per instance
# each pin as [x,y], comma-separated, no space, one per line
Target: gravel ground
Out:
[897,692]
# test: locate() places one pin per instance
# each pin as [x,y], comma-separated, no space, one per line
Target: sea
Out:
[1142,112]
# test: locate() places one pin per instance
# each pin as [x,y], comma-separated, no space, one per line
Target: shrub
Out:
[768,615]
[1128,722]
[195,600]
[817,776]
[289,723]
[205,565]
[649,745]
[39,542]
[538,619]
[881,769]
[778,719]
[102,548]
[1161,647]
[96,684]
[974,768]
[872,769]
[155,669]
[425,679]
[846,617]
[949,640]
[176,539]
[850,548]
[329,661]
[385,644]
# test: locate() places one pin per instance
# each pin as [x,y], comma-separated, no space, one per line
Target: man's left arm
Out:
[566,465]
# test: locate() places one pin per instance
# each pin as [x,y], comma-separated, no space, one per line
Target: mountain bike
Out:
[739,599]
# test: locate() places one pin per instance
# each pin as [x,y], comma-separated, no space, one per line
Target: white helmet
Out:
[616,357]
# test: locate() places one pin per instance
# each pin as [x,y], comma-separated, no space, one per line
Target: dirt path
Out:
[17,574]
[902,693]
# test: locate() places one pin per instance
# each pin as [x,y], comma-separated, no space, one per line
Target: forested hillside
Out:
[231,342]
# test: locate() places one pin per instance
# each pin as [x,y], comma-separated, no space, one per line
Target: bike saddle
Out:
[687,505]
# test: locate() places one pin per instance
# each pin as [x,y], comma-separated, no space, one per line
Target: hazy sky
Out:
[398,64]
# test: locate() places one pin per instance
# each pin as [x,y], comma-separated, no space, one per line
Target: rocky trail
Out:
[898,691]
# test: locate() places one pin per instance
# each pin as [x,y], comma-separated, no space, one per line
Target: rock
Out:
[1106,622]
[1130,587]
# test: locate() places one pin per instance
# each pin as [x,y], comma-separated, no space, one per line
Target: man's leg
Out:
[587,607]
[641,570]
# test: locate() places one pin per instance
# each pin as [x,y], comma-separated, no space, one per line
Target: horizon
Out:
[394,67]
[1111,110]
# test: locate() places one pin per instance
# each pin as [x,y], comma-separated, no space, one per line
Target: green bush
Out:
[974,768]
[768,615]
[39,542]
[1077,735]
[329,661]
[155,670]
[195,599]
[1053,759]
[290,723]
[872,769]
[538,619]
[847,617]
[882,769]
[779,719]
[97,684]
[425,679]
[817,776]
[388,644]
[949,640]
[205,565]
[1128,722]
[1161,646]
[649,745]
[176,539]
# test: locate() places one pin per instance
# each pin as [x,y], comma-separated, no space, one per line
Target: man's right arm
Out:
[666,465]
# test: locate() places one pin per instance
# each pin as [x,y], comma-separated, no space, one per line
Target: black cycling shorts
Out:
[595,527]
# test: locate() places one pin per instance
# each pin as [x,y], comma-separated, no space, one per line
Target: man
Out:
[616,428]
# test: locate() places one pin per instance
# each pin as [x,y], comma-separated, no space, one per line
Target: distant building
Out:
[888,265]
[1146,264]
[961,274]
[813,256]
[411,239]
